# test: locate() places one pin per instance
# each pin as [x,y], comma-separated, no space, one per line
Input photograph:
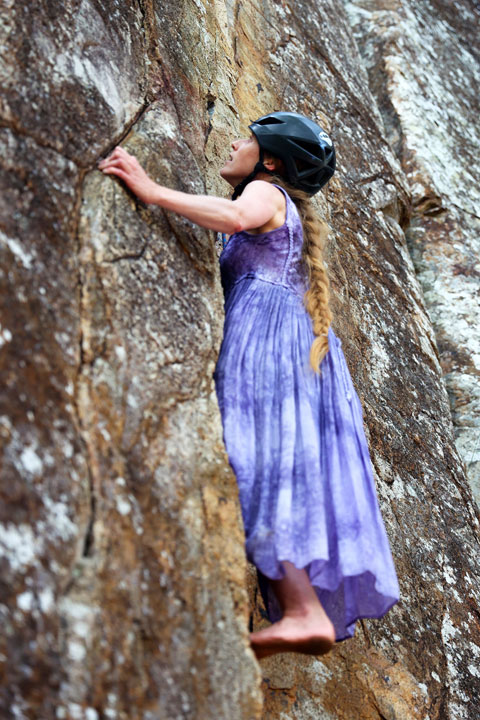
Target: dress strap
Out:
[288,202]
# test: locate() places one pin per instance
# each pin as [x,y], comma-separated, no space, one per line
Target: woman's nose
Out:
[235,144]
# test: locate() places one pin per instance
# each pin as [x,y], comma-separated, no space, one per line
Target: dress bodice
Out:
[274,256]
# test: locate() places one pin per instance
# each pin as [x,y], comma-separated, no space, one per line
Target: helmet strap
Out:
[259,167]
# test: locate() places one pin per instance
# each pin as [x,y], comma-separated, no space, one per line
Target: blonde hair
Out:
[316,299]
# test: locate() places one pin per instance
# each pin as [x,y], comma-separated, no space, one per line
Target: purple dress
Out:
[295,440]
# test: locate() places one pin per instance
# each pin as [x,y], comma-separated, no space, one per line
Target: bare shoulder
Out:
[266,191]
[267,207]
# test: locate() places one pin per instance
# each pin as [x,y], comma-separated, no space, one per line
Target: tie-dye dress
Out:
[296,440]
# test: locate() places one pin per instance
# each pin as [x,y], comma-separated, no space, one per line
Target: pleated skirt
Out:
[297,446]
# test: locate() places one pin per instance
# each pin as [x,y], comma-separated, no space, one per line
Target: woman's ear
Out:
[272,163]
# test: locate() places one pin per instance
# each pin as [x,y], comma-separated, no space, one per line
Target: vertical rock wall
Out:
[423,67]
[123,571]
[417,662]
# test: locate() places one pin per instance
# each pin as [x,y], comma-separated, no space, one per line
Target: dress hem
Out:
[366,617]
[309,562]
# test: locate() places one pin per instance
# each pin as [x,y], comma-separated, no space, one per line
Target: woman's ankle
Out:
[306,611]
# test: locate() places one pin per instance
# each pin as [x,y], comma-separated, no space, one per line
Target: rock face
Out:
[123,571]
[124,581]
[423,68]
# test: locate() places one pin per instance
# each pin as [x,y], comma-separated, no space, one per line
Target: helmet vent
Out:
[309,147]
[269,121]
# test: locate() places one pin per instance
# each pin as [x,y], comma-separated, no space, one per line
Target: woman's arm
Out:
[255,207]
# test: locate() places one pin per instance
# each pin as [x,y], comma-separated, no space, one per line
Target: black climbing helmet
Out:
[305,149]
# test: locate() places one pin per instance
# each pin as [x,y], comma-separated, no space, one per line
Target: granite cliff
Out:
[125,592]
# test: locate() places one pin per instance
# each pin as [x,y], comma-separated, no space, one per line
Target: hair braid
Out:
[316,299]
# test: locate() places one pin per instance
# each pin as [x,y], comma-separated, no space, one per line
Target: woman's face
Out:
[245,155]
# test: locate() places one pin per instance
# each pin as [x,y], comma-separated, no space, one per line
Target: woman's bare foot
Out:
[311,633]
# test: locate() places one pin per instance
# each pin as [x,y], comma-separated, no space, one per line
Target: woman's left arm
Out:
[255,207]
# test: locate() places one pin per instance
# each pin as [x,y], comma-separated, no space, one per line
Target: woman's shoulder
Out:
[262,185]
[267,188]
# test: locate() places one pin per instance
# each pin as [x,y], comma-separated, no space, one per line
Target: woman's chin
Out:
[225,175]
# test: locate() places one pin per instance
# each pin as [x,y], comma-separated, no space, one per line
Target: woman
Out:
[292,420]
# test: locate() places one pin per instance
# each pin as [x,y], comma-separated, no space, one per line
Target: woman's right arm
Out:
[255,207]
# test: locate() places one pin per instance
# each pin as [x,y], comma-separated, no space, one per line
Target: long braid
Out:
[316,299]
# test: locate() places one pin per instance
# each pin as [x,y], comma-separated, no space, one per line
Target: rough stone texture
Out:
[123,572]
[423,67]
[420,660]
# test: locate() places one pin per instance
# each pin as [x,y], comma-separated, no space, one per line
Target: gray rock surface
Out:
[124,581]
[423,67]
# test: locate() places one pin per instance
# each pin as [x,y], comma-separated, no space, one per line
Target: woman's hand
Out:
[127,167]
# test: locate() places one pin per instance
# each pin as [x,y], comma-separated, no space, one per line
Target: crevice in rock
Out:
[123,134]
[131,256]
[371,178]
[88,543]
[366,634]
[443,708]
[467,212]
[211,99]
[236,14]
[429,205]
[21,132]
